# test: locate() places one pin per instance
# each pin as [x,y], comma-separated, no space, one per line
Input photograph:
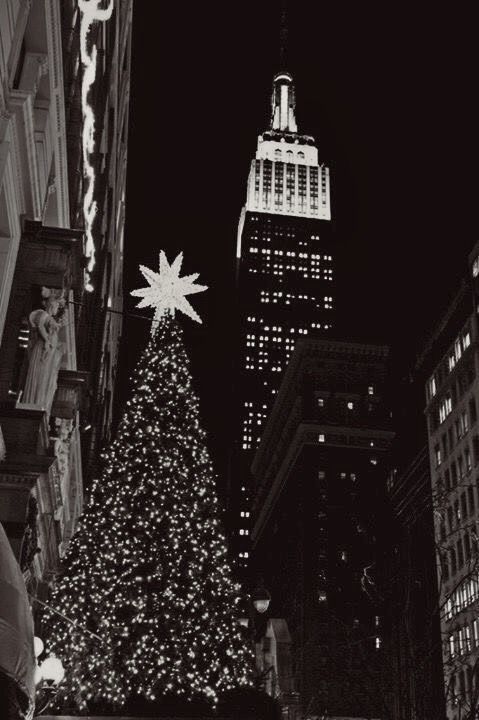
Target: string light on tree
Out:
[148,571]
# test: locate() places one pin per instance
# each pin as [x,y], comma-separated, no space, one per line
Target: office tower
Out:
[285,269]
[452,397]
[316,518]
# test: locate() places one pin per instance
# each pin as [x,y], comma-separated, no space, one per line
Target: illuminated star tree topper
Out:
[166,292]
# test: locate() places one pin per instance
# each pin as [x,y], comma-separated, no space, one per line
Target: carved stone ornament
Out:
[62,429]
[30,537]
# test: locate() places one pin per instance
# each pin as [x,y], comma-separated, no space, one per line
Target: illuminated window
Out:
[457,350]
[452,645]
[370,390]
[451,361]
[321,438]
[467,455]
[350,405]
[475,267]
[445,408]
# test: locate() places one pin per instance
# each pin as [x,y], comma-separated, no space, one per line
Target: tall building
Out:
[413,669]
[319,502]
[285,278]
[452,404]
[64,89]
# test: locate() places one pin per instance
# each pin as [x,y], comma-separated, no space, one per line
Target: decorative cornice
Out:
[27,464]
[25,429]
[71,387]
[57,253]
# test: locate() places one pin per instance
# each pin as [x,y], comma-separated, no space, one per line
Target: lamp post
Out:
[48,676]
[261,598]
[258,604]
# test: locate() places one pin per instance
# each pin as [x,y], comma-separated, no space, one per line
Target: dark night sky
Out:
[387,89]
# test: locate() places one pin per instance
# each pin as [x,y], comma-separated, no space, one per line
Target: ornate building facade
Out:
[284,279]
[60,264]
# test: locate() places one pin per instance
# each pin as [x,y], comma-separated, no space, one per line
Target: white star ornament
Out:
[166,291]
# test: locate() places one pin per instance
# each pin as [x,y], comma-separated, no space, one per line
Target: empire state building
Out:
[285,270]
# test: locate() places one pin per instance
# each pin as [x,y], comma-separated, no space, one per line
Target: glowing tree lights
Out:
[147,572]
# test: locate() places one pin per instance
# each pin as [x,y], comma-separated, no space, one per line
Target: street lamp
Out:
[48,675]
[259,601]
[52,670]
[261,598]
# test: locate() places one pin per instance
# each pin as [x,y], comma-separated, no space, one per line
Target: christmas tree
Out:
[147,581]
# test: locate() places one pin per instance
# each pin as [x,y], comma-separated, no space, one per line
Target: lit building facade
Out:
[285,281]
[59,333]
[319,473]
[452,396]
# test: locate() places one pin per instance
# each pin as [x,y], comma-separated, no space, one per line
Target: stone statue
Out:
[45,352]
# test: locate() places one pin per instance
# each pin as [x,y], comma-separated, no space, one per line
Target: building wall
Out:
[51,438]
[319,474]
[412,635]
[33,177]
[452,397]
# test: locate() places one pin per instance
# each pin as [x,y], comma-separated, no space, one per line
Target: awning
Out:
[17,657]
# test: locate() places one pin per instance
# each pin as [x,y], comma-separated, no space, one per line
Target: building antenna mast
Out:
[283,36]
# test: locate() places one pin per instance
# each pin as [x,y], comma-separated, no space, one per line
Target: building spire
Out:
[283,98]
[283,104]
